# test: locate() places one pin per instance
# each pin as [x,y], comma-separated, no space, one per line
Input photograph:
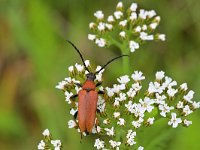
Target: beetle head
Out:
[91,76]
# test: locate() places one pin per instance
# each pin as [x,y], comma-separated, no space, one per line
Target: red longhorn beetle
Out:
[88,97]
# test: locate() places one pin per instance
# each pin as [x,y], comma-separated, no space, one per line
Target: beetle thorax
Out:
[91,76]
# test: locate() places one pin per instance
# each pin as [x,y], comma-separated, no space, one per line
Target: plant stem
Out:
[126,61]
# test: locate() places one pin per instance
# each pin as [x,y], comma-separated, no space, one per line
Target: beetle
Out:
[88,97]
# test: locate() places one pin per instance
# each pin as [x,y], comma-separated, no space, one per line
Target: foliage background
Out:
[34,57]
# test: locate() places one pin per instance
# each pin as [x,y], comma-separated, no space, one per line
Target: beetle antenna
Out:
[79,54]
[110,62]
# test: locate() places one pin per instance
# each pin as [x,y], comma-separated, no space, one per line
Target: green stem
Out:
[126,61]
[125,51]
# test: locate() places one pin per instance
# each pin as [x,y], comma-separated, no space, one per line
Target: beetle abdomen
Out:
[87,105]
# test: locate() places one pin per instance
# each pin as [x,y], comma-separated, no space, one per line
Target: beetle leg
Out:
[101,92]
[75,115]
[98,111]
[98,84]
[78,84]
[74,96]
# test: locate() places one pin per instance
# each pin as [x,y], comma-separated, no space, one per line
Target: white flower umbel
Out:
[174,121]
[127,19]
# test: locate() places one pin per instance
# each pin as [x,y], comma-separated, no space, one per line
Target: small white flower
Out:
[143,35]
[117,88]
[79,67]
[56,144]
[99,144]
[41,145]
[123,79]
[162,37]
[110,91]
[157,18]
[71,68]
[137,76]
[115,144]
[99,14]
[189,96]
[186,110]
[138,29]
[73,111]
[109,26]
[151,13]
[155,88]
[61,85]
[71,124]
[123,23]
[121,122]
[101,26]
[187,123]
[140,148]
[87,63]
[133,46]
[68,96]
[196,105]
[184,87]
[118,14]
[143,14]
[96,129]
[171,92]
[133,16]
[131,93]
[179,105]
[110,132]
[174,121]
[116,114]
[101,104]
[159,99]
[106,121]
[122,34]
[110,19]
[99,77]
[91,37]
[153,25]
[165,109]
[116,103]
[122,97]
[136,86]
[147,104]
[137,123]
[144,27]
[150,120]
[46,132]
[133,6]
[160,75]
[119,5]
[131,137]
[100,42]
[92,25]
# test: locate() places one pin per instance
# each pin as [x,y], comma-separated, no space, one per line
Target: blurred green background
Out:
[34,57]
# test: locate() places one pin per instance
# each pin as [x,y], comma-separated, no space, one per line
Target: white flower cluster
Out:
[48,142]
[126,105]
[133,22]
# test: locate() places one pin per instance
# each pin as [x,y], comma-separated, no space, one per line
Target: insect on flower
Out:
[88,97]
